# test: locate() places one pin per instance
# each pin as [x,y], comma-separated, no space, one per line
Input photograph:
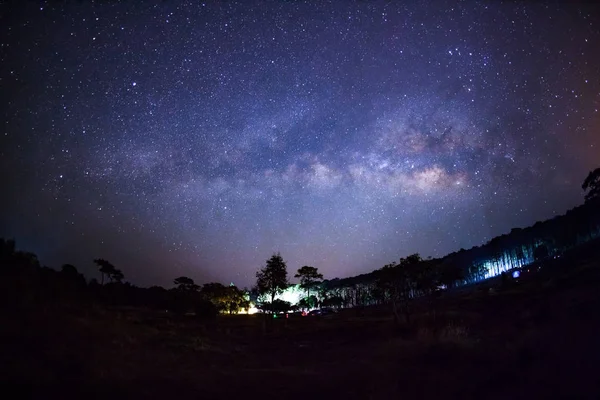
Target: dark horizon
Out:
[478,255]
[198,140]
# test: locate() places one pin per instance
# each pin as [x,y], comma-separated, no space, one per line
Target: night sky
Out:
[197,139]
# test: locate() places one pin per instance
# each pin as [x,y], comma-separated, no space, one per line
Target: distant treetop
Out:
[592,185]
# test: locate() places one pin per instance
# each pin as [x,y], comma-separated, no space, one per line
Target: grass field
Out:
[536,339]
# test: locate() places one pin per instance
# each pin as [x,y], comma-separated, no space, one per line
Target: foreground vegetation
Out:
[533,338]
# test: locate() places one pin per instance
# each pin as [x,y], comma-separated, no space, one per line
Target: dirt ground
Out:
[535,339]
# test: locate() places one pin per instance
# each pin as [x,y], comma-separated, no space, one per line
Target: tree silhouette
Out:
[28,283]
[309,276]
[334,301]
[216,293]
[592,183]
[307,303]
[7,249]
[272,279]
[425,274]
[400,281]
[69,270]
[279,306]
[476,271]
[303,304]
[540,253]
[205,310]
[225,298]
[235,299]
[106,268]
[71,274]
[186,284]
[450,273]
[116,276]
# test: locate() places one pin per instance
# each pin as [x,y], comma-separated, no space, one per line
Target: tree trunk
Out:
[407,311]
[395,312]
[272,300]
[433,308]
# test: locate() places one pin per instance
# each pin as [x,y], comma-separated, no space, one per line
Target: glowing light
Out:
[292,294]
[251,310]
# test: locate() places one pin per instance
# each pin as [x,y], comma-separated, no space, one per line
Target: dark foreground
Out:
[536,339]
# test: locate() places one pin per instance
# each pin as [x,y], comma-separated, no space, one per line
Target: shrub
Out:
[206,310]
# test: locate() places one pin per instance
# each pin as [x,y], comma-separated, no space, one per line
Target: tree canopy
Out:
[186,284]
[225,298]
[309,276]
[272,278]
[592,185]
[109,270]
[400,281]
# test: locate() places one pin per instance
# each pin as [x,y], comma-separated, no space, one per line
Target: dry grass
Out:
[455,334]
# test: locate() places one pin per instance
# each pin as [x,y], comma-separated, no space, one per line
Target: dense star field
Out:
[198,138]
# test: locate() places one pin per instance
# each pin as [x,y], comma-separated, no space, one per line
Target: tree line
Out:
[25,283]
[398,283]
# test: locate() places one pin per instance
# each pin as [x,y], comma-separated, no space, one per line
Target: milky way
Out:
[197,139]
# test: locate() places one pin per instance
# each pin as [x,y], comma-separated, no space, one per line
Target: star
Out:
[197,139]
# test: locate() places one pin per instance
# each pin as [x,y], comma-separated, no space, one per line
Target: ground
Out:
[533,339]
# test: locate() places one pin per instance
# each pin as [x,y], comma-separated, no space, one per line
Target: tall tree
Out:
[400,281]
[592,183]
[106,268]
[309,277]
[426,276]
[184,297]
[272,279]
